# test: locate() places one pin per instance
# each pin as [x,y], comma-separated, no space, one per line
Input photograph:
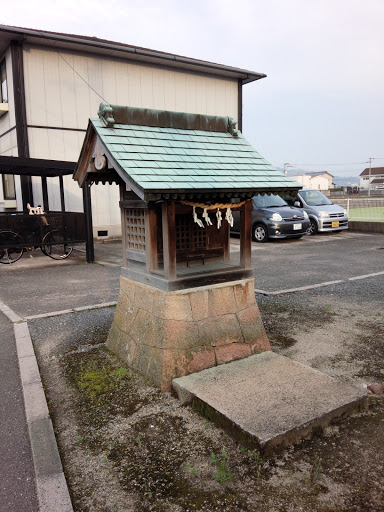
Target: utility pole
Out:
[369,176]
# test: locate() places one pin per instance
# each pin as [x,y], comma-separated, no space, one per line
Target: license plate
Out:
[297,226]
[335,224]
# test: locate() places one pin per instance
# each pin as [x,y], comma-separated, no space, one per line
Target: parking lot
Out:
[316,260]
[280,267]
[321,302]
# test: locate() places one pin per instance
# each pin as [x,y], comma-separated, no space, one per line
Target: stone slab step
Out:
[268,398]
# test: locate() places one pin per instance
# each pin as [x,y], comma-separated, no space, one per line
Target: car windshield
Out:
[268,201]
[314,198]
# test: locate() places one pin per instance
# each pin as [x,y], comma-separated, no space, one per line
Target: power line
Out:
[82,78]
[331,165]
[327,165]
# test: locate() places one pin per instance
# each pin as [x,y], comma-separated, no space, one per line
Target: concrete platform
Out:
[269,399]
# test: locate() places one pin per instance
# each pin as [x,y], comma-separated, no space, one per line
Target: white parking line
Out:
[299,289]
[74,310]
[366,276]
[319,285]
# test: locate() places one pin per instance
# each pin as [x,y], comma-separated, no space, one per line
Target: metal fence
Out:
[31,229]
[368,209]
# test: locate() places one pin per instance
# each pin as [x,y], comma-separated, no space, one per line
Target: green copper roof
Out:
[174,160]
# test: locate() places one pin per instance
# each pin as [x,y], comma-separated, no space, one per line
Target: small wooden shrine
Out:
[186,303]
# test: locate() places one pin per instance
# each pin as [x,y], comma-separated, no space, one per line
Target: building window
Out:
[3,88]
[9,186]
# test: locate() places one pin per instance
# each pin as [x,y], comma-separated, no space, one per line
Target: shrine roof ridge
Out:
[124,115]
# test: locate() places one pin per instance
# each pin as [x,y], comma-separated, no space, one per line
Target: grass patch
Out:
[374,213]
[105,388]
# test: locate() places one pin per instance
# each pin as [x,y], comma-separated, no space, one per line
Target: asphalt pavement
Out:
[17,476]
[40,286]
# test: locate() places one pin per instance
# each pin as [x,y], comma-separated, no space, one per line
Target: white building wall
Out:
[303,179]
[315,182]
[364,180]
[64,89]
[319,183]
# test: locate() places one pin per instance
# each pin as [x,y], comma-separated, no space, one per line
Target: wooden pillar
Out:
[169,240]
[89,248]
[246,234]
[21,119]
[122,188]
[152,260]
[62,198]
[44,190]
[26,192]
[226,241]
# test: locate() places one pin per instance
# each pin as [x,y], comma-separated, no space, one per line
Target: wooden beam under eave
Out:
[246,235]
[83,169]
[169,240]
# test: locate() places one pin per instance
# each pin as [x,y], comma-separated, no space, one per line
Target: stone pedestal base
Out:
[165,335]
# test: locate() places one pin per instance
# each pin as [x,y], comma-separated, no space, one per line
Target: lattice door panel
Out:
[135,229]
[189,236]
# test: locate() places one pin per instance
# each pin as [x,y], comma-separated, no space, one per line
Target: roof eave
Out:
[149,195]
[33,36]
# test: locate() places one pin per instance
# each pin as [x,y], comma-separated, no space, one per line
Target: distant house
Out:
[315,180]
[52,83]
[375,176]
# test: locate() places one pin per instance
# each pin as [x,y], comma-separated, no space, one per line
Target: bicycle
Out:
[55,243]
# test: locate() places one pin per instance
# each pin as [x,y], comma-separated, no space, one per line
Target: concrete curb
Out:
[51,486]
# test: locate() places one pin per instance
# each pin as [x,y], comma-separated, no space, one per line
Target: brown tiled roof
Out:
[374,171]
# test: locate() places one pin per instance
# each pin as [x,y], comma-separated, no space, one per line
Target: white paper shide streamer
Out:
[229,217]
[218,217]
[206,217]
[196,218]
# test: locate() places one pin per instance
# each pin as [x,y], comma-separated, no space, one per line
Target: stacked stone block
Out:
[165,335]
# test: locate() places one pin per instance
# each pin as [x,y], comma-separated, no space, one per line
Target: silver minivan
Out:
[323,214]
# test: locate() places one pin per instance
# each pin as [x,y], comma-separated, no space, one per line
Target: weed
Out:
[316,472]
[121,373]
[191,469]
[256,460]
[79,438]
[138,439]
[328,308]
[222,473]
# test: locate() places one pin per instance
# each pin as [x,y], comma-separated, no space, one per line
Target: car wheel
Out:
[312,229]
[260,233]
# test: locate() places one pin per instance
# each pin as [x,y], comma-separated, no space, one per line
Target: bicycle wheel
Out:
[9,254]
[56,244]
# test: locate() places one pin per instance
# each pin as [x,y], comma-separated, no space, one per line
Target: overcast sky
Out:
[323,99]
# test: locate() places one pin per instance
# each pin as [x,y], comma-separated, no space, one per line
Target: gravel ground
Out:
[127,447]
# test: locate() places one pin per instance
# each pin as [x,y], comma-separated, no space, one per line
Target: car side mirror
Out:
[297,204]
